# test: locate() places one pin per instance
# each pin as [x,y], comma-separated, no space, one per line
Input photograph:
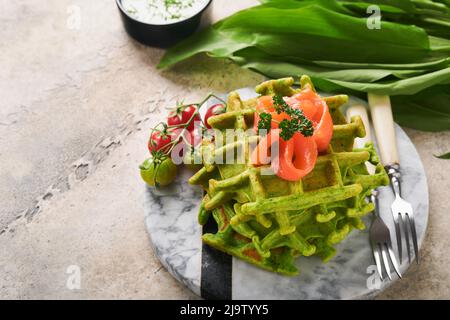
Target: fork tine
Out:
[386,262]
[376,256]
[393,260]
[412,224]
[406,228]
[398,234]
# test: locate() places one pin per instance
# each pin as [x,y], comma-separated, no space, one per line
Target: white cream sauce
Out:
[163,11]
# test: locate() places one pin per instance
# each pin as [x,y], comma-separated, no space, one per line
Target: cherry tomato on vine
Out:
[182,115]
[214,111]
[158,140]
[184,144]
[194,137]
[158,171]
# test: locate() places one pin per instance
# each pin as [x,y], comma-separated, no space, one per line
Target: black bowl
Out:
[164,35]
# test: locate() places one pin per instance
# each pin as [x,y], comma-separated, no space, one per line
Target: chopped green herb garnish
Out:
[265,121]
[297,123]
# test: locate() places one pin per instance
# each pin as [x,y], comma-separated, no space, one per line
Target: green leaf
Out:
[253,53]
[401,87]
[443,156]
[405,5]
[209,40]
[345,38]
[285,4]
[362,80]
[428,110]
[433,64]
[361,7]
[278,31]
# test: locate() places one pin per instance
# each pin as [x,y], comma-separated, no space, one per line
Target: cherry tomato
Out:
[182,115]
[190,139]
[214,111]
[158,140]
[194,137]
[158,172]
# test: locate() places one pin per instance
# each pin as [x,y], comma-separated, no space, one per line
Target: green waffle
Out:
[268,221]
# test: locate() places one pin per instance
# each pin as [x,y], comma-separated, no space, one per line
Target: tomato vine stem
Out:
[159,155]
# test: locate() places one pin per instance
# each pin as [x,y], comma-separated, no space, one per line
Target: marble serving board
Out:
[171,220]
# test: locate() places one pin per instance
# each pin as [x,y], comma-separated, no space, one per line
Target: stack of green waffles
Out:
[268,221]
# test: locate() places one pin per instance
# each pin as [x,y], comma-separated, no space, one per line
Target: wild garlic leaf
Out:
[444,156]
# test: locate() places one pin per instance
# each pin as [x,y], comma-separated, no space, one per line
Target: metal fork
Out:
[403,214]
[380,107]
[380,237]
[380,240]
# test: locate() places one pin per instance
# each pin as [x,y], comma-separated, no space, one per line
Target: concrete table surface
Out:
[78,98]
